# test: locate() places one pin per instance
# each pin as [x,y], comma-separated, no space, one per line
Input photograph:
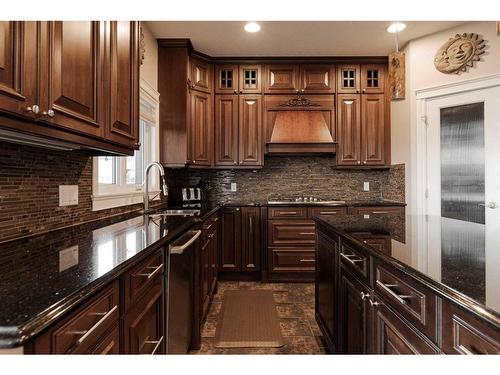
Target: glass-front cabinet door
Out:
[372,79]
[250,79]
[226,77]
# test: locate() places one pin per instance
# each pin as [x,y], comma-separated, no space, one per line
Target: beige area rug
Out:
[249,320]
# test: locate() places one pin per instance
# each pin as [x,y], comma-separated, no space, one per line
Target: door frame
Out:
[418,164]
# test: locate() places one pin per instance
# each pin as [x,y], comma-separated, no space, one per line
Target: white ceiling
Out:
[287,38]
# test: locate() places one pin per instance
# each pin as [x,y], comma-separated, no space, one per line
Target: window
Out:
[117,181]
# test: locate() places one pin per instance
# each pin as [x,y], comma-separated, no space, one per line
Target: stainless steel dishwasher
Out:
[179,292]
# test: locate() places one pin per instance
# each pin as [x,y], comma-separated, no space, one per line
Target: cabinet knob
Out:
[194,161]
[357,91]
[364,162]
[241,91]
[235,162]
[237,209]
[364,90]
[33,109]
[137,144]
[359,162]
[49,113]
[297,90]
[303,90]
[241,162]
[235,91]
[364,295]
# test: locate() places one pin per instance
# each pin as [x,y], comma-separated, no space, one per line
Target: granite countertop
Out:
[348,203]
[458,259]
[43,276]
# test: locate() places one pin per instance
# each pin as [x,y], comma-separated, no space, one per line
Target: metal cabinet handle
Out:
[181,248]
[465,350]
[374,303]
[364,295]
[328,212]
[307,260]
[380,212]
[156,343]
[489,205]
[288,213]
[251,226]
[87,333]
[387,288]
[151,274]
[307,233]
[33,109]
[350,260]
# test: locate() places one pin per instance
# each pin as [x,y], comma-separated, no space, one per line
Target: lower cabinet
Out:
[354,311]
[143,323]
[241,239]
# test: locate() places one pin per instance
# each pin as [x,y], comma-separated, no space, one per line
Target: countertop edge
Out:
[463,301]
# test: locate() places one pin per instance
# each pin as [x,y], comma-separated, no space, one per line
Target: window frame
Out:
[105,196]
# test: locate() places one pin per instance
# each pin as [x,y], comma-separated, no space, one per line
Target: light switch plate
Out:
[233,186]
[366,186]
[68,258]
[68,195]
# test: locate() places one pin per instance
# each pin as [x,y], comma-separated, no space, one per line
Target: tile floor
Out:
[295,306]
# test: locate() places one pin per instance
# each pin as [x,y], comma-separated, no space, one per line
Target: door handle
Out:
[491,205]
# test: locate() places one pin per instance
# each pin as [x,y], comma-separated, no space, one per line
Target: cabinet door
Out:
[226,129]
[281,79]
[348,79]
[200,75]
[200,126]
[72,76]
[214,256]
[250,130]
[317,79]
[226,79]
[392,335]
[143,323]
[373,79]
[250,239]
[354,314]
[206,249]
[349,129]
[123,70]
[326,287]
[230,252]
[18,67]
[250,77]
[372,129]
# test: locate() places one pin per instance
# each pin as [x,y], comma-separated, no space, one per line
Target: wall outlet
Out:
[366,186]
[68,195]
[233,186]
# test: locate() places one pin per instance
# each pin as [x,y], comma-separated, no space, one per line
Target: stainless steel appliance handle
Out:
[185,245]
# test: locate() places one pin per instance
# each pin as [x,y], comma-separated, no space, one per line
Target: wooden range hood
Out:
[300,127]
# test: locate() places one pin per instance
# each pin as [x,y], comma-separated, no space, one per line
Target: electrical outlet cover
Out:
[366,186]
[233,186]
[68,195]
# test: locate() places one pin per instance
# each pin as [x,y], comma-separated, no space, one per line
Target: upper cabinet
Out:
[200,75]
[365,78]
[226,79]
[281,79]
[250,79]
[18,68]
[77,81]
[295,78]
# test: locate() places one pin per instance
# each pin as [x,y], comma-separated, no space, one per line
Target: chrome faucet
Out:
[146,183]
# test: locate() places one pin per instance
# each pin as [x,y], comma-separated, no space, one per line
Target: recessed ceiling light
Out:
[252,27]
[396,27]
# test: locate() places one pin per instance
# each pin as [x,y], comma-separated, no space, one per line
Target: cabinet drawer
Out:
[462,334]
[83,331]
[292,260]
[287,213]
[367,210]
[356,260]
[335,211]
[394,336]
[381,243]
[412,300]
[140,277]
[110,344]
[291,233]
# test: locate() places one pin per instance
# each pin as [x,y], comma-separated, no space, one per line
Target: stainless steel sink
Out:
[178,213]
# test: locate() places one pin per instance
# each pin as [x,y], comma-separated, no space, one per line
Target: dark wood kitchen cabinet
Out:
[241,243]
[226,130]
[186,109]
[200,133]
[303,78]
[363,130]
[354,311]
[209,250]
[18,67]
[250,143]
[77,81]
